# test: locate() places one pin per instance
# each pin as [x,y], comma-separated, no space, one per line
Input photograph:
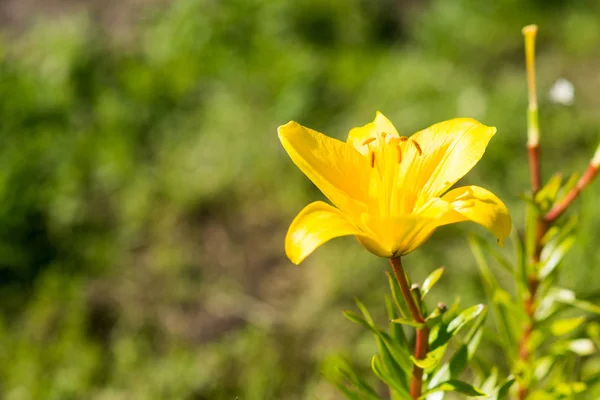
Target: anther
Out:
[399,151]
[403,138]
[383,135]
[372,158]
[369,140]
[417,146]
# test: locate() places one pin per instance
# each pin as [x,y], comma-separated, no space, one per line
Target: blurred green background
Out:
[144,195]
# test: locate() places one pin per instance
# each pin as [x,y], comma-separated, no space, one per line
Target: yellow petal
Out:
[403,234]
[316,224]
[449,150]
[483,207]
[359,135]
[336,168]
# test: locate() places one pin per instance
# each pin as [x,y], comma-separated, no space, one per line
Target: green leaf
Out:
[504,389]
[399,358]
[441,334]
[458,361]
[409,322]
[364,312]
[431,360]
[490,382]
[396,330]
[547,194]
[569,388]
[557,233]
[435,318]
[567,296]
[564,326]
[566,188]
[593,331]
[337,370]
[530,233]
[491,286]
[550,260]
[454,385]
[398,299]
[379,370]
[542,366]
[465,317]
[493,251]
[352,316]
[520,257]
[365,389]
[431,280]
[349,394]
[581,347]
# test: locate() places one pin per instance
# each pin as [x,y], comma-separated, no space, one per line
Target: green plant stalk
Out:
[422,335]
[533,150]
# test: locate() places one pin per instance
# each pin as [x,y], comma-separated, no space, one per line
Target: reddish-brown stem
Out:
[422,337]
[542,225]
[585,180]
[534,167]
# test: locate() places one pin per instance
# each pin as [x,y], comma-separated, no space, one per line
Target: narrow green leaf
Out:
[530,233]
[566,188]
[365,389]
[398,299]
[435,318]
[357,319]
[520,257]
[399,354]
[441,334]
[431,360]
[593,331]
[410,322]
[569,388]
[380,371]
[349,394]
[465,317]
[337,371]
[396,330]
[396,358]
[564,326]
[364,311]
[567,296]
[551,260]
[581,347]
[431,280]
[489,385]
[454,385]
[459,360]
[549,191]
[542,366]
[493,251]
[504,389]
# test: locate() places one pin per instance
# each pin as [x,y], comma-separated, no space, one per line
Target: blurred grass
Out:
[144,194]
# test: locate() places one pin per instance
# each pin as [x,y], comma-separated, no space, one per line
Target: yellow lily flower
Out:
[390,191]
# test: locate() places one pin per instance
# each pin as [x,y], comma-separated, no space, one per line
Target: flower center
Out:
[381,144]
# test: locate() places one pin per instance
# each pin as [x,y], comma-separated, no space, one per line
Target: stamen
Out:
[399,150]
[383,135]
[372,158]
[417,146]
[369,140]
[403,138]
